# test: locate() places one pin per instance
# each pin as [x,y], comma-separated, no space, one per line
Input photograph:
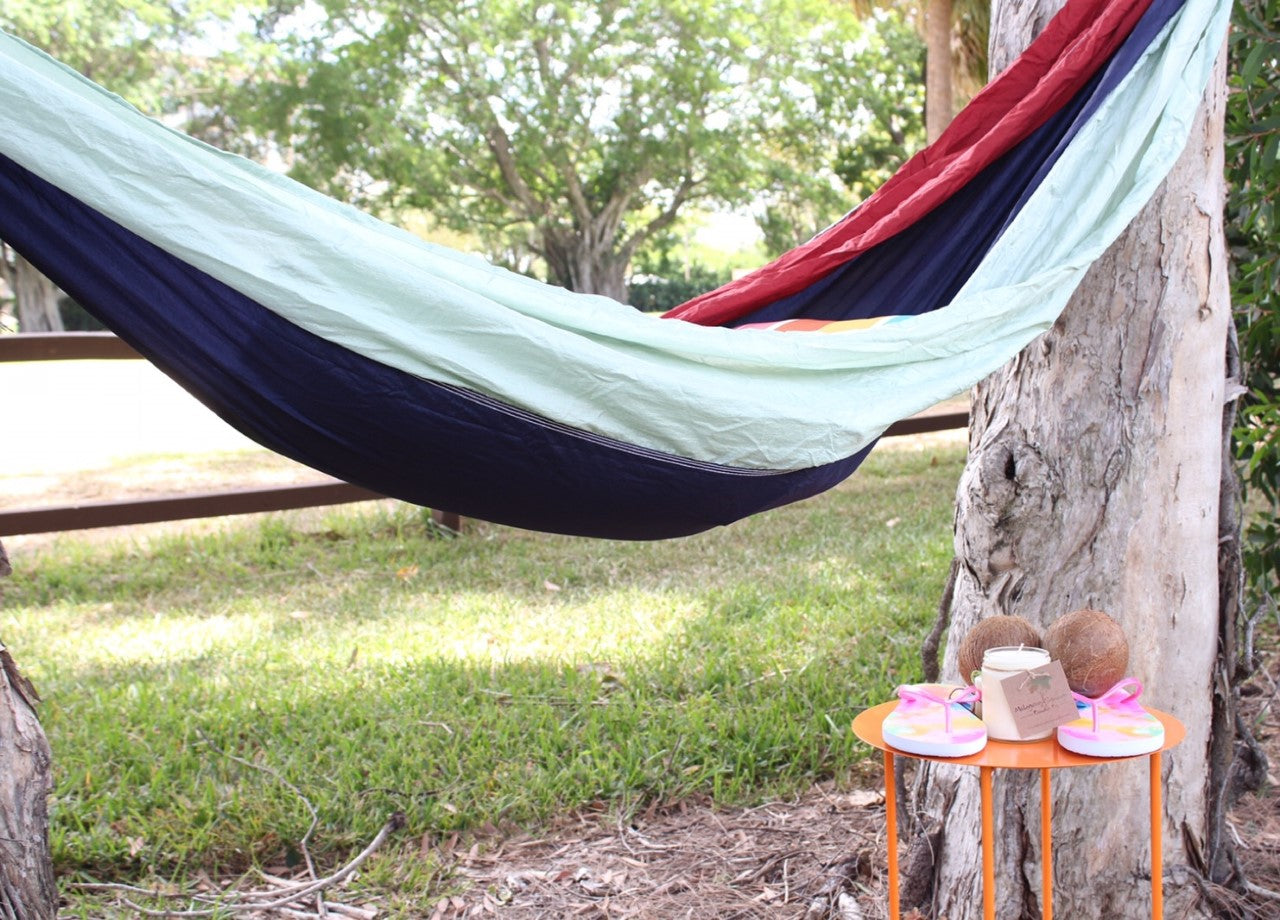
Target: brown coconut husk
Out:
[994,632]
[1092,648]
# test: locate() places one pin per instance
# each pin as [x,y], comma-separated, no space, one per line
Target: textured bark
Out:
[938,95]
[26,869]
[27,889]
[6,283]
[1237,763]
[1093,481]
[590,267]
[36,298]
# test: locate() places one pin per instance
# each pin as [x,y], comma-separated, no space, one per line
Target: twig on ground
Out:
[1259,892]
[275,774]
[447,729]
[245,901]
[1235,835]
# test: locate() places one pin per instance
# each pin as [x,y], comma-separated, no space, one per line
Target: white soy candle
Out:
[997,664]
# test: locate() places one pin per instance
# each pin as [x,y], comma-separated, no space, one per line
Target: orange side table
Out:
[1044,756]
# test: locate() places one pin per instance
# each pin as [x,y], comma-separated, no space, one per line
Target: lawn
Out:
[202,689]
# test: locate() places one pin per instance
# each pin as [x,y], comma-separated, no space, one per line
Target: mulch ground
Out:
[818,857]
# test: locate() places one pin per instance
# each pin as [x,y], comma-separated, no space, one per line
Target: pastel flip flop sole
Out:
[1113,724]
[1128,736]
[925,722]
[954,746]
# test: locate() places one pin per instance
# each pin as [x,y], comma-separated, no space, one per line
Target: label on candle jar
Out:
[1039,699]
[997,664]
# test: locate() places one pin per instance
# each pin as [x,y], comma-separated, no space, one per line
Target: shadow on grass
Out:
[505,677]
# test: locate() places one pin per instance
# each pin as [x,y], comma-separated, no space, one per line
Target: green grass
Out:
[502,678]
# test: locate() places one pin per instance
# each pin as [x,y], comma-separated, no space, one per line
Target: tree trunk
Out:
[36,297]
[938,101]
[6,287]
[1093,481]
[579,265]
[27,889]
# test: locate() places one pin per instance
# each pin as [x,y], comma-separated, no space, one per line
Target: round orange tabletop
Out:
[1045,755]
[1018,755]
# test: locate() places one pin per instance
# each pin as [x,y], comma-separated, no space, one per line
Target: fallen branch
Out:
[277,898]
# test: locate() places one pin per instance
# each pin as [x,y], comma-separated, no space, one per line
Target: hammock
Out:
[432,376]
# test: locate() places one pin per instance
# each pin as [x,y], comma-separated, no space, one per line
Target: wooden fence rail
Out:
[63,346]
[104,345]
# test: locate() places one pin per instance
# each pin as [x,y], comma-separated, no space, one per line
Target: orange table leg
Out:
[1157,842]
[988,847]
[891,825]
[1046,845]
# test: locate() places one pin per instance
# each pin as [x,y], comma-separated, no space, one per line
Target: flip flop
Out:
[1113,725]
[931,719]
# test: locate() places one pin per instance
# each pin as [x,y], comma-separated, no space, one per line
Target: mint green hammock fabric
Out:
[431,375]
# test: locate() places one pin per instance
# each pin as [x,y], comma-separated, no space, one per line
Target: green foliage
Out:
[505,677]
[121,43]
[882,78]
[585,126]
[894,125]
[76,319]
[666,278]
[972,27]
[1253,177]
[140,49]
[653,293]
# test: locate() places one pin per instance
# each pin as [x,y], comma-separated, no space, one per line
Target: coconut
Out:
[1092,648]
[994,632]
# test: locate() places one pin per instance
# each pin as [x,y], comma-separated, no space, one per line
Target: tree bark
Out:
[938,96]
[27,889]
[1093,481]
[7,307]
[36,299]
[580,265]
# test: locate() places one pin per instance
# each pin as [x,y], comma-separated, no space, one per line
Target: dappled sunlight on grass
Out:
[87,638]
[477,627]
[493,627]
[500,676]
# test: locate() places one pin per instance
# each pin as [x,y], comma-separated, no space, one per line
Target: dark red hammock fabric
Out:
[1053,69]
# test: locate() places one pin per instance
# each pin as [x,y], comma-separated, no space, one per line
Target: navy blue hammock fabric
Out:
[431,376]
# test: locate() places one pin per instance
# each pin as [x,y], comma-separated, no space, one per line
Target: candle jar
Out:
[997,664]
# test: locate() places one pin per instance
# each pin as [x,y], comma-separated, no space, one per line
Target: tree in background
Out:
[141,50]
[889,129]
[1253,174]
[954,33]
[955,36]
[583,127]
[35,298]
